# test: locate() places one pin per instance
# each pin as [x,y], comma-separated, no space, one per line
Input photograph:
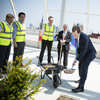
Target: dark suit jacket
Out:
[86,49]
[67,38]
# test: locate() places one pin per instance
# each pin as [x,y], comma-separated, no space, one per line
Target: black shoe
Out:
[78,81]
[64,67]
[76,90]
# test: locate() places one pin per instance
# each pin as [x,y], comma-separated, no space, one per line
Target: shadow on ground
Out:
[65,88]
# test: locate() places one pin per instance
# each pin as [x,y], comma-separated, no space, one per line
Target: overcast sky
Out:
[34,10]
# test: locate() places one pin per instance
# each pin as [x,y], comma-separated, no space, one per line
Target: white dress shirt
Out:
[64,34]
[78,40]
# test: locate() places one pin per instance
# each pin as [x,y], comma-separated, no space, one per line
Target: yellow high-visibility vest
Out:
[48,32]
[20,35]
[6,34]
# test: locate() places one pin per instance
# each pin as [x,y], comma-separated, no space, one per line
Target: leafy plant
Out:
[20,82]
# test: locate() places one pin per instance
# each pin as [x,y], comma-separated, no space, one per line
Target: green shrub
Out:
[20,82]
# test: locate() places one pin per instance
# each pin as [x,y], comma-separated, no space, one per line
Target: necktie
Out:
[64,36]
[77,46]
[76,43]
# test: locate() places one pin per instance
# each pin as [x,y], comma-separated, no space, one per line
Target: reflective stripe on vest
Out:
[48,32]
[6,34]
[20,35]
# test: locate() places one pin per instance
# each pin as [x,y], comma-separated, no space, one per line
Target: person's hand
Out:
[62,41]
[15,45]
[74,63]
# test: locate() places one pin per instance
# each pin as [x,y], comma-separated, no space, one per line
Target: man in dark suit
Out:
[64,38]
[85,54]
[76,44]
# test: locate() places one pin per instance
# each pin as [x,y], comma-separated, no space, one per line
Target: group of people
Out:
[63,38]
[9,31]
[85,51]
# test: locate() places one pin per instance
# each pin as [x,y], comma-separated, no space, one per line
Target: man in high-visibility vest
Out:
[19,37]
[47,39]
[6,30]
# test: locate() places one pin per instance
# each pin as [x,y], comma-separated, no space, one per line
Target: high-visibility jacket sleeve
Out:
[14,30]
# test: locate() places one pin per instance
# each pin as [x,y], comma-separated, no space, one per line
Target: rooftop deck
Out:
[92,87]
